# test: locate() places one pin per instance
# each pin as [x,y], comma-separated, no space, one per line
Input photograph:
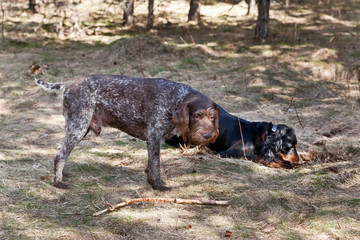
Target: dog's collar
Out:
[274,128]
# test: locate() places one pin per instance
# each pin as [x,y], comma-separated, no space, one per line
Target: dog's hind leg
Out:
[74,133]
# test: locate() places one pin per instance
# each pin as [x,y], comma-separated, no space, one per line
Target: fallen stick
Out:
[172,200]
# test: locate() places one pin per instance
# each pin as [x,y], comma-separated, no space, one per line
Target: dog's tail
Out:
[49,86]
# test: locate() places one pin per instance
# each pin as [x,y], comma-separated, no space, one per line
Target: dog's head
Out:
[279,143]
[197,118]
[288,150]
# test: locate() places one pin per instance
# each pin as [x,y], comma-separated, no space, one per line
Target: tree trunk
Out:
[32,5]
[150,21]
[2,23]
[262,25]
[194,12]
[251,7]
[128,18]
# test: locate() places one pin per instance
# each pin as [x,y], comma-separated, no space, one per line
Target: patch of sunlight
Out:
[55,120]
[336,20]
[222,9]
[168,216]
[221,221]
[4,107]
[208,50]
[160,213]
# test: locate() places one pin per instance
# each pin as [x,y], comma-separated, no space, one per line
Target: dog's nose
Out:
[207,135]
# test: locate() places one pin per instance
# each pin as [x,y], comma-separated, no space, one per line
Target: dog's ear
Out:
[216,122]
[270,127]
[181,120]
[261,133]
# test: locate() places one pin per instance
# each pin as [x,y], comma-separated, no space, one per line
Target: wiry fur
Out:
[147,109]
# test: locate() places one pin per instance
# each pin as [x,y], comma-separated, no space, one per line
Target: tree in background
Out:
[2,22]
[150,21]
[251,7]
[32,4]
[128,18]
[262,25]
[194,12]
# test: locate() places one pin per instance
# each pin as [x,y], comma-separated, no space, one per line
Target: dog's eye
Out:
[286,149]
[198,116]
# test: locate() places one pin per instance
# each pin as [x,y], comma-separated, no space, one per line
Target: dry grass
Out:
[312,57]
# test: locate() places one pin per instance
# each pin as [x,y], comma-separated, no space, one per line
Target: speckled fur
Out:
[143,108]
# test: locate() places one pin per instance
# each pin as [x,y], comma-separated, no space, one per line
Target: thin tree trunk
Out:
[150,21]
[262,25]
[32,5]
[194,12]
[251,7]
[2,23]
[128,18]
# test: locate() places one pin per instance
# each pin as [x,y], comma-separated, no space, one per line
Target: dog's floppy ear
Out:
[181,120]
[261,133]
[269,130]
[216,121]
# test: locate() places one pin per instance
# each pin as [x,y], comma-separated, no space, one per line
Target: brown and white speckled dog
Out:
[149,109]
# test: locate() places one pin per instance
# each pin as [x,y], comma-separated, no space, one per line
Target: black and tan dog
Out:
[271,145]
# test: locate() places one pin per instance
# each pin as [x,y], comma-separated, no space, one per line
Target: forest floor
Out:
[305,76]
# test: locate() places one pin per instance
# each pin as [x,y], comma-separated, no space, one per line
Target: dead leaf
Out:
[48,177]
[228,234]
[36,68]
[189,226]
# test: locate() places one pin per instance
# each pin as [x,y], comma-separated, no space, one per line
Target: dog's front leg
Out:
[153,167]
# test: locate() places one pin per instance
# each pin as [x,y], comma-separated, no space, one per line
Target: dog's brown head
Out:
[197,118]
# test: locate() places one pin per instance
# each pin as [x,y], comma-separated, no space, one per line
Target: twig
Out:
[191,37]
[181,38]
[338,223]
[2,22]
[242,139]
[141,69]
[172,200]
[297,115]
[223,82]
[235,3]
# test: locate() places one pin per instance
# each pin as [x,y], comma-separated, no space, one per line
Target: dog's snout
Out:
[207,135]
